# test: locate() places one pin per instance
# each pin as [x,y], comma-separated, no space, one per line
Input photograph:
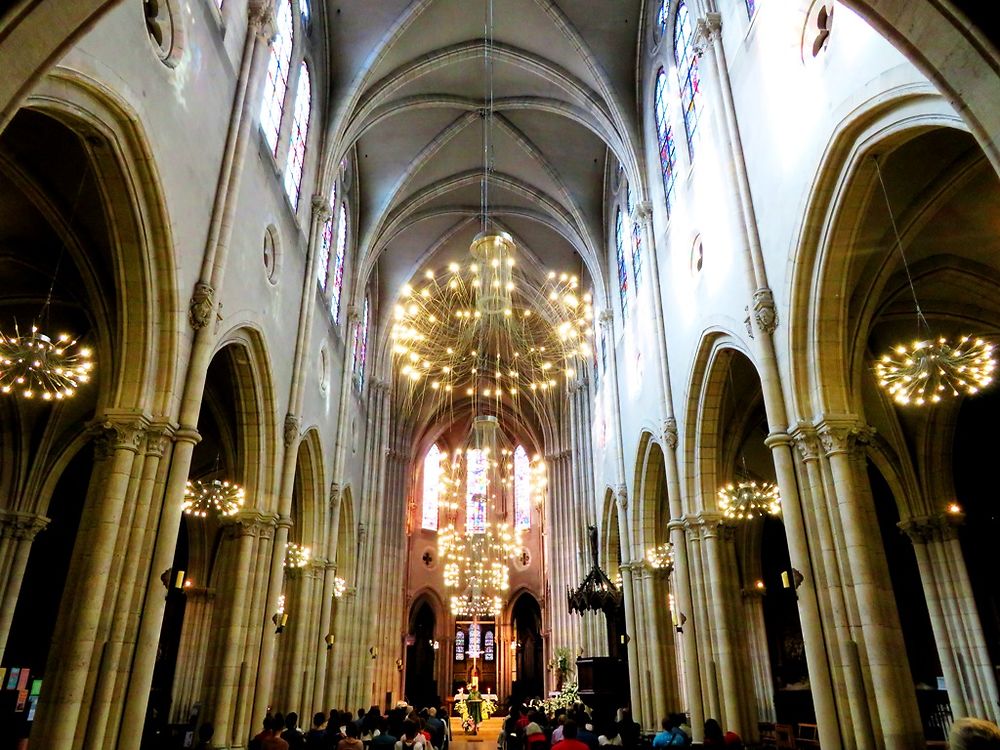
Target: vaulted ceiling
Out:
[410,81]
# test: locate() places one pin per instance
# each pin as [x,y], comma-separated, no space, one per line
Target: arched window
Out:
[277,76]
[432,480]
[361,346]
[323,263]
[636,237]
[337,269]
[751,7]
[522,489]
[620,258]
[661,19]
[687,72]
[664,137]
[300,130]
[475,491]
[489,646]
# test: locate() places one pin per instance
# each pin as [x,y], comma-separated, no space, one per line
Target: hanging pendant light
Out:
[747,500]
[932,368]
[34,365]
[212,497]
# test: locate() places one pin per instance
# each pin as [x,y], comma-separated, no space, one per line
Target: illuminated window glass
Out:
[664,137]
[489,646]
[337,270]
[620,257]
[751,7]
[661,19]
[522,489]
[687,72]
[459,645]
[474,641]
[432,480]
[475,491]
[300,130]
[604,353]
[636,238]
[273,103]
[361,346]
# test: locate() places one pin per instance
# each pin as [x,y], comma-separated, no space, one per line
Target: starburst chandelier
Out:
[661,557]
[747,500]
[35,365]
[339,587]
[217,496]
[296,556]
[932,368]
[928,370]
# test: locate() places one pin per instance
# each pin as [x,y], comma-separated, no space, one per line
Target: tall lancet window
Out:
[475,490]
[300,130]
[620,259]
[522,489]
[361,346]
[432,487]
[323,265]
[277,76]
[664,138]
[636,237]
[337,269]
[687,72]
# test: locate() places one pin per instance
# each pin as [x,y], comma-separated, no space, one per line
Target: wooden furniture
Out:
[784,737]
[807,736]
[768,739]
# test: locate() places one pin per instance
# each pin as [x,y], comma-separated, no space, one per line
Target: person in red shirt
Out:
[569,740]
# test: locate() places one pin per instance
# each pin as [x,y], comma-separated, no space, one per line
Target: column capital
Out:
[621,496]
[843,435]
[201,306]
[115,431]
[932,528]
[293,425]
[19,525]
[806,441]
[253,523]
[765,312]
[707,28]
[261,19]
[158,436]
[321,208]
[353,314]
[668,433]
[642,212]
[606,318]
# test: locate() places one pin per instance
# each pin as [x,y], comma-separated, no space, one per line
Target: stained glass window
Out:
[636,238]
[361,346]
[459,645]
[687,72]
[522,489]
[475,491]
[300,130]
[604,353]
[751,7]
[661,19]
[432,480]
[277,75]
[620,257]
[664,137]
[337,270]
[489,646]
[474,641]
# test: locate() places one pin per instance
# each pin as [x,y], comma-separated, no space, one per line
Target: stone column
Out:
[755,634]
[651,606]
[891,683]
[634,666]
[192,653]
[17,532]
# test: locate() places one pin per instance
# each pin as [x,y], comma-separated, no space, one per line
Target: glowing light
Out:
[296,556]
[219,497]
[928,371]
[35,365]
[747,500]
[661,557]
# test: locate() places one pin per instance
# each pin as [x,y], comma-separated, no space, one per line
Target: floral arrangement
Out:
[568,697]
[560,664]
[487,708]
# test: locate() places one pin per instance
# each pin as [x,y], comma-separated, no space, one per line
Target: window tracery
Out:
[300,130]
[687,72]
[664,138]
[273,103]
[432,480]
[620,259]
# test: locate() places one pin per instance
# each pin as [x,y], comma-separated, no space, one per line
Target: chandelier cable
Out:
[899,246]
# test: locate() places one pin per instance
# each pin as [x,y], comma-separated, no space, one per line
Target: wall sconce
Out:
[280,619]
[399,665]
[954,509]
[329,638]
[172,579]
[624,638]
[436,645]
[374,652]
[679,619]
[791,579]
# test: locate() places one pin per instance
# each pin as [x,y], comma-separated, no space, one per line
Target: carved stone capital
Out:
[669,433]
[114,432]
[353,314]
[621,496]
[707,29]
[158,438]
[940,527]
[253,523]
[806,441]
[261,20]
[606,318]
[293,425]
[202,305]
[321,208]
[764,311]
[642,212]
[21,526]
[844,436]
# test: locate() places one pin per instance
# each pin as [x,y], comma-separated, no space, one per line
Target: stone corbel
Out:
[202,305]
[293,425]
[669,433]
[764,311]
[621,496]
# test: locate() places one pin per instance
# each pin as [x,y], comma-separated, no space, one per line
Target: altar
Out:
[460,697]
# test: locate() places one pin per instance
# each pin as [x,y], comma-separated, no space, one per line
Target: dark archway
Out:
[526,619]
[421,657]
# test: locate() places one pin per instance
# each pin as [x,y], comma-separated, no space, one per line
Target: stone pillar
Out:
[17,532]
[192,653]
[631,628]
[755,634]
[891,683]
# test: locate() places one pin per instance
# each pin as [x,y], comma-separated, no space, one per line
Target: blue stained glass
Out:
[665,138]
[620,258]
[337,272]
[522,489]
[300,131]
[273,103]
[432,481]
[751,7]
[636,238]
[488,646]
[474,641]
[661,19]
[475,491]
[361,347]
[687,72]
[459,645]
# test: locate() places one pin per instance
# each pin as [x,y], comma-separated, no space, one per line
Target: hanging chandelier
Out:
[929,370]
[296,556]
[35,365]
[339,587]
[478,544]
[216,496]
[748,500]
[661,557]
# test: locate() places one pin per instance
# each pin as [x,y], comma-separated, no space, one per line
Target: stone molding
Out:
[669,433]
[940,527]
[764,310]
[293,426]
[118,431]
[19,525]
[201,306]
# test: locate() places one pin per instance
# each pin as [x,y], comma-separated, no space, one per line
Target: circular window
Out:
[164,30]
[816,33]
[429,559]
[523,559]
[271,253]
[697,256]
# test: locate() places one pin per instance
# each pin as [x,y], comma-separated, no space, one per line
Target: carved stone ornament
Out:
[844,437]
[202,304]
[292,424]
[747,322]
[334,495]
[621,496]
[261,17]
[764,310]
[670,433]
[158,439]
[806,441]
[113,433]
[321,208]
[21,526]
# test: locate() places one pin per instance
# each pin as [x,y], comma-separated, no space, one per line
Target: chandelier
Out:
[596,593]
[34,364]
[661,557]
[931,369]
[478,546]
[296,556]
[747,500]
[219,497]
[339,587]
